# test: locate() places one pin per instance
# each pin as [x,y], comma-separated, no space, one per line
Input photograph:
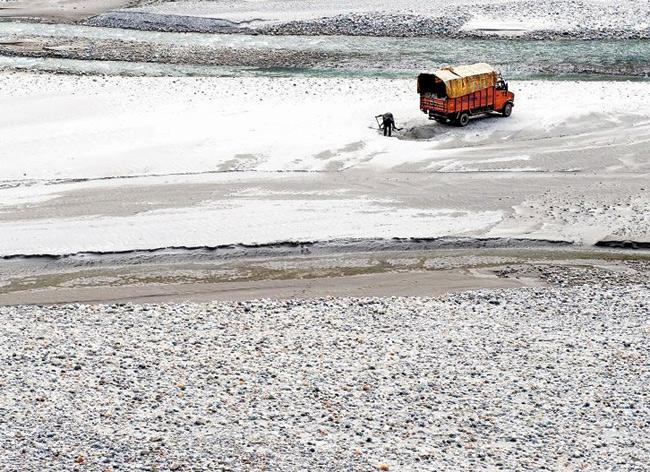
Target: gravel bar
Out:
[533,19]
[522,379]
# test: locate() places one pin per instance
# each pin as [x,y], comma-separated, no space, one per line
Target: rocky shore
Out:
[546,19]
[410,26]
[525,379]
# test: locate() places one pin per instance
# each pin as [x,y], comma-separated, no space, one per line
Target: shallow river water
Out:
[359,56]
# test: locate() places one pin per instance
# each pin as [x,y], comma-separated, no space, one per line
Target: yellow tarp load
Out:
[462,80]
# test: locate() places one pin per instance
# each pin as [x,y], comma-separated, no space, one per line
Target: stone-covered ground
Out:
[527,379]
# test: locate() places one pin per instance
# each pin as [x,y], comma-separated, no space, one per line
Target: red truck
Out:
[454,94]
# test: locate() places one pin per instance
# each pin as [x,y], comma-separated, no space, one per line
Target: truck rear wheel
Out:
[463,119]
[507,109]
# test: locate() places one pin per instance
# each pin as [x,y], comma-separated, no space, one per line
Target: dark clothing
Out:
[388,128]
[388,124]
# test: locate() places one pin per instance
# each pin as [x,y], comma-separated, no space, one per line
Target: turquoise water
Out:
[358,56]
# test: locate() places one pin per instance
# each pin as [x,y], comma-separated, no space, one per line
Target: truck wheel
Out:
[463,119]
[507,110]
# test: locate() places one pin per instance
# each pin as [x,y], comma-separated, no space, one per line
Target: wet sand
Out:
[424,284]
[330,270]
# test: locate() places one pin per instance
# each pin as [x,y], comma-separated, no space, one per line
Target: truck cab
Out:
[502,97]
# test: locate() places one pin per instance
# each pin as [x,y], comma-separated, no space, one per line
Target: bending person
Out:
[388,124]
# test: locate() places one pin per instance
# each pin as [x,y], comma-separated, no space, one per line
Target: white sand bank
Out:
[79,127]
[571,163]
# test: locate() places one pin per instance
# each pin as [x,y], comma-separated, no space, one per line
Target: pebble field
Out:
[522,379]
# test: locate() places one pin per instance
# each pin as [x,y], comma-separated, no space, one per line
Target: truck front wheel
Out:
[463,119]
[507,110]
